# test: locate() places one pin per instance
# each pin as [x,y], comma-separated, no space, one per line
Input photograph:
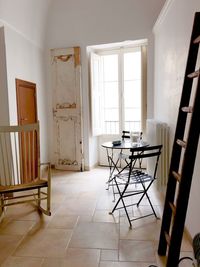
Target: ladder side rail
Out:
[179,134]
[185,183]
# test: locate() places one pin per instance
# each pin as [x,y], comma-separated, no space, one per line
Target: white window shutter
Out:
[96,94]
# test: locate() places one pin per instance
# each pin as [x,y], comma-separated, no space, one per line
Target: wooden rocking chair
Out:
[20,168]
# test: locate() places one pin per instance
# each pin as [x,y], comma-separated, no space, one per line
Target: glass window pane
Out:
[132,114]
[132,65]
[132,93]
[110,67]
[111,114]
[111,98]
[133,126]
[111,94]
[111,120]
[111,127]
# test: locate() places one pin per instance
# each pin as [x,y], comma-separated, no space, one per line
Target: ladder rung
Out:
[187,109]
[197,40]
[194,74]
[168,239]
[176,175]
[181,143]
[173,207]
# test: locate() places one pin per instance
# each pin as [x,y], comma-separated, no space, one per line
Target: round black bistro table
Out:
[110,148]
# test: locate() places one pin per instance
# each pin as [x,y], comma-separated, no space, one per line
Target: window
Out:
[118,89]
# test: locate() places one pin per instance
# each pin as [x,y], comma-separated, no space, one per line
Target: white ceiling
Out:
[32,18]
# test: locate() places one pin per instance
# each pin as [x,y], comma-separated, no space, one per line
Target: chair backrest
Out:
[146,152]
[19,154]
[125,135]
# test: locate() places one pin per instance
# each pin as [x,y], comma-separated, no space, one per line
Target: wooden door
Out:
[67,115]
[26,102]
[27,114]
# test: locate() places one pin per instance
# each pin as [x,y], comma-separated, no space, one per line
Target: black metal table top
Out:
[124,145]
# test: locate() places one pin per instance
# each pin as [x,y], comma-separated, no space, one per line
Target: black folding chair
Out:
[136,181]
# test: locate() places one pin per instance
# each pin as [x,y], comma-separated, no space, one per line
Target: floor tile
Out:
[143,229]
[119,264]
[104,216]
[22,262]
[8,243]
[45,243]
[131,250]
[76,258]
[109,255]
[63,222]
[16,227]
[95,235]
[77,206]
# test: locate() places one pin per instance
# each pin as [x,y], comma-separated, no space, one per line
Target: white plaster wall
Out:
[172,37]
[26,61]
[92,22]
[27,17]
[4,112]
[25,28]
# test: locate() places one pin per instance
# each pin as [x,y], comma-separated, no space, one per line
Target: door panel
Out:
[66,75]
[27,113]
[26,102]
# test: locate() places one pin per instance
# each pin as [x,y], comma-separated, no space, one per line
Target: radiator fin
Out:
[158,133]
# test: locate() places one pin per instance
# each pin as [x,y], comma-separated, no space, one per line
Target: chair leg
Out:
[49,199]
[2,204]
[121,198]
[39,196]
[145,194]
[47,210]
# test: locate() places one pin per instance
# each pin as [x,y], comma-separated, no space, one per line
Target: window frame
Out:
[120,51]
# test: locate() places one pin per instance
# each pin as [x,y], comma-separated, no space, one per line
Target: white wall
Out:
[92,22]
[24,24]
[4,112]
[172,36]
[25,61]
[28,17]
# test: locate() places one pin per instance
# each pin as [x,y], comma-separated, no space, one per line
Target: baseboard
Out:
[188,235]
[86,168]
[89,168]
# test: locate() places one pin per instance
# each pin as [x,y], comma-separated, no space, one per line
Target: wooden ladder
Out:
[183,157]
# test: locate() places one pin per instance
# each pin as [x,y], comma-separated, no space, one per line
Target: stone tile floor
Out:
[80,232]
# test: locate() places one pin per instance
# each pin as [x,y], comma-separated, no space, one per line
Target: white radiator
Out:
[158,133]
